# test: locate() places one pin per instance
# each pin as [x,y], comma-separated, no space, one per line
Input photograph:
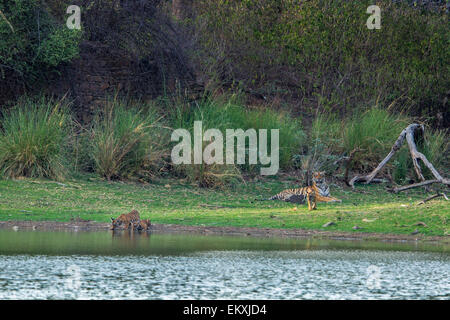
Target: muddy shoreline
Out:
[226,231]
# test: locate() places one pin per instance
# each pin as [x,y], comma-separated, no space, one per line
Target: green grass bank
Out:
[169,201]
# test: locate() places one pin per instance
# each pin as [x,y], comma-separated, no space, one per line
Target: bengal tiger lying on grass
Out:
[318,192]
[131,221]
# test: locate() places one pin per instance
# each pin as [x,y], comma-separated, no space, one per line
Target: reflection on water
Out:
[106,265]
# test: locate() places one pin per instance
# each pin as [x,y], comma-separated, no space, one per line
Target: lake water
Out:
[106,265]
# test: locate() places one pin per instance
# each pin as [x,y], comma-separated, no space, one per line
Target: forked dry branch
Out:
[408,134]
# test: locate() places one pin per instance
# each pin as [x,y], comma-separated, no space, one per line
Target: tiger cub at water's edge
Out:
[318,192]
[124,221]
[141,225]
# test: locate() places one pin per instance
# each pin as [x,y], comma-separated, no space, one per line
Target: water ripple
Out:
[302,274]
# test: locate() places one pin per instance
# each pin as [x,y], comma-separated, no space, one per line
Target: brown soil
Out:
[83,225]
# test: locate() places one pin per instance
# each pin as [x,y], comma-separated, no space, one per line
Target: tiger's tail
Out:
[267,199]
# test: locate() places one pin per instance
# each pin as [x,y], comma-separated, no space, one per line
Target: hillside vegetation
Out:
[309,68]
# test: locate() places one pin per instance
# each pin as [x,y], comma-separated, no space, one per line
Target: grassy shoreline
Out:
[172,202]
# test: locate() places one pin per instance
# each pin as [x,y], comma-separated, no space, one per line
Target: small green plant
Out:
[402,166]
[436,148]
[32,139]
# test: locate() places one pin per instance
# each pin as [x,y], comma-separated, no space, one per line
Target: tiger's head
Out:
[318,179]
[145,224]
[114,223]
[117,223]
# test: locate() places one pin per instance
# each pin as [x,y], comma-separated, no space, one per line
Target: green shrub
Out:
[321,52]
[32,139]
[125,139]
[32,43]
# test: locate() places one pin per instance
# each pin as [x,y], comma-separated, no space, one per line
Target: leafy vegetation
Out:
[32,43]
[260,64]
[130,140]
[321,53]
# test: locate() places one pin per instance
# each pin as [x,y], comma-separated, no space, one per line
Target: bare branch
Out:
[414,185]
[433,197]
[9,23]
[408,134]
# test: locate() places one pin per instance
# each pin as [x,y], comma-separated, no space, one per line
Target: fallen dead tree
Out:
[407,134]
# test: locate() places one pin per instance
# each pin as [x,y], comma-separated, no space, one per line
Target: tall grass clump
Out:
[224,113]
[214,113]
[436,147]
[32,139]
[229,113]
[124,140]
[372,133]
[292,136]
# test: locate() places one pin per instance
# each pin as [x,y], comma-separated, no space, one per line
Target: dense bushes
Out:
[321,53]
[230,113]
[32,43]
[132,140]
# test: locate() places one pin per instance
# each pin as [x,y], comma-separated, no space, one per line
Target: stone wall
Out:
[100,73]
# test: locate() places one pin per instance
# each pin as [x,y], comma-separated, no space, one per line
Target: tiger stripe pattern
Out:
[125,221]
[318,192]
[141,225]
